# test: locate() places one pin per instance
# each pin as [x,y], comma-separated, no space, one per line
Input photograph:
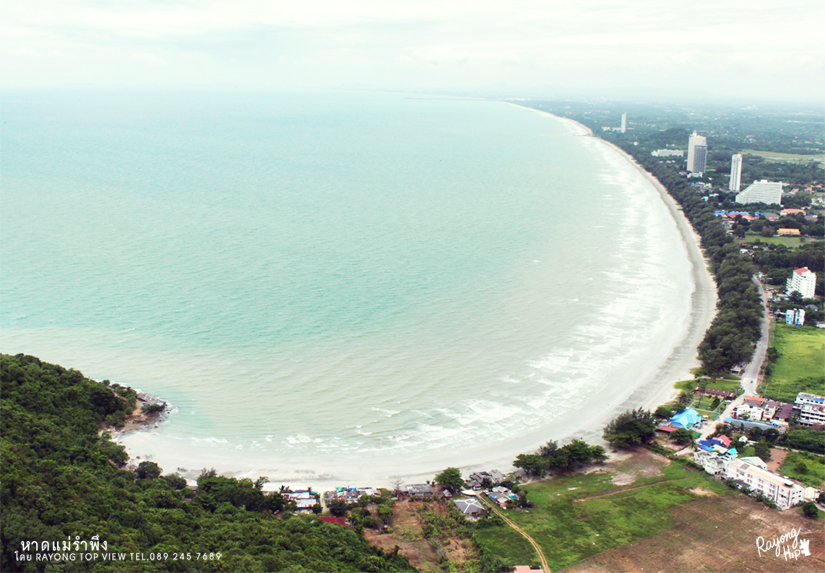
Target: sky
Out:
[731,49]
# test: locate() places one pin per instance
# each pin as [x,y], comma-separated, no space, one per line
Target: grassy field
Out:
[790,242]
[814,473]
[789,157]
[578,516]
[606,521]
[713,533]
[718,383]
[799,367]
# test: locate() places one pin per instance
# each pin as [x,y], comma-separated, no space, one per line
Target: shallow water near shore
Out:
[336,286]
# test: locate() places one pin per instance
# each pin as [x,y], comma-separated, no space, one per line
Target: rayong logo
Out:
[788,545]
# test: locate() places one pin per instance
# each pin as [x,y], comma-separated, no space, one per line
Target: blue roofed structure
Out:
[685,419]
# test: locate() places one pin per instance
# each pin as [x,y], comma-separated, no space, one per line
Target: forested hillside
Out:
[62,483]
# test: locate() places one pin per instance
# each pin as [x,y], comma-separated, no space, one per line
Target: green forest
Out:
[69,505]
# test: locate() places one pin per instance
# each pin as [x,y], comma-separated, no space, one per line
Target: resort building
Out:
[802,281]
[784,492]
[624,122]
[697,153]
[735,172]
[763,191]
[668,153]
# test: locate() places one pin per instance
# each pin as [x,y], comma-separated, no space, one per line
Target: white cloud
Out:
[425,43]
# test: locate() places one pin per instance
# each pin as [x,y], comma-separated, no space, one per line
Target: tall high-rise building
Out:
[624,122]
[735,172]
[697,153]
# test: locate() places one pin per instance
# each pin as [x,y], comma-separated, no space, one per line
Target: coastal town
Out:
[741,441]
[728,430]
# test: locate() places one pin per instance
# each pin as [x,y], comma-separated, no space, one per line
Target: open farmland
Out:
[595,521]
[714,533]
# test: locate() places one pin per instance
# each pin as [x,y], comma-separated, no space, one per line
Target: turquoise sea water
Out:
[349,284]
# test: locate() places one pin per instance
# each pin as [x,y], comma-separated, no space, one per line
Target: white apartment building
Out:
[697,153]
[763,191]
[735,172]
[784,492]
[802,281]
[809,408]
[714,462]
[624,122]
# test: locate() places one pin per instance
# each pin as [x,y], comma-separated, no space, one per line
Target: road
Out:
[544,566]
[750,375]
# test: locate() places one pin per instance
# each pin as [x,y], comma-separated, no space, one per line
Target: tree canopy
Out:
[451,479]
[631,428]
[60,478]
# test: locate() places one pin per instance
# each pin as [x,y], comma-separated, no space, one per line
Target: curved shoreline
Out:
[703,298]
[656,389]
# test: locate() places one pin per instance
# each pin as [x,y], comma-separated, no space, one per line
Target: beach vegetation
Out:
[147,470]
[664,412]
[60,478]
[682,436]
[551,457]
[630,429]
[451,479]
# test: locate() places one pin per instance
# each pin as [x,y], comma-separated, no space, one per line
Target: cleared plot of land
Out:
[428,535]
[408,536]
[799,367]
[578,516]
[789,157]
[714,533]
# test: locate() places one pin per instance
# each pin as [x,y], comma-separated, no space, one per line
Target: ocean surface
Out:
[334,285]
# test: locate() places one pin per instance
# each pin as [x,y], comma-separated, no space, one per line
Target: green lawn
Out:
[800,364]
[789,157]
[730,383]
[790,242]
[570,531]
[814,473]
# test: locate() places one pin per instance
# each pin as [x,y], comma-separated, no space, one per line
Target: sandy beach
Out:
[658,389]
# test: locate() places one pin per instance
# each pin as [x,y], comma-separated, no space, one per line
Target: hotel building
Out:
[697,153]
[802,281]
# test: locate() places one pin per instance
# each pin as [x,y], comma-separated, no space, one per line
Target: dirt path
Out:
[544,566]
[628,488]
